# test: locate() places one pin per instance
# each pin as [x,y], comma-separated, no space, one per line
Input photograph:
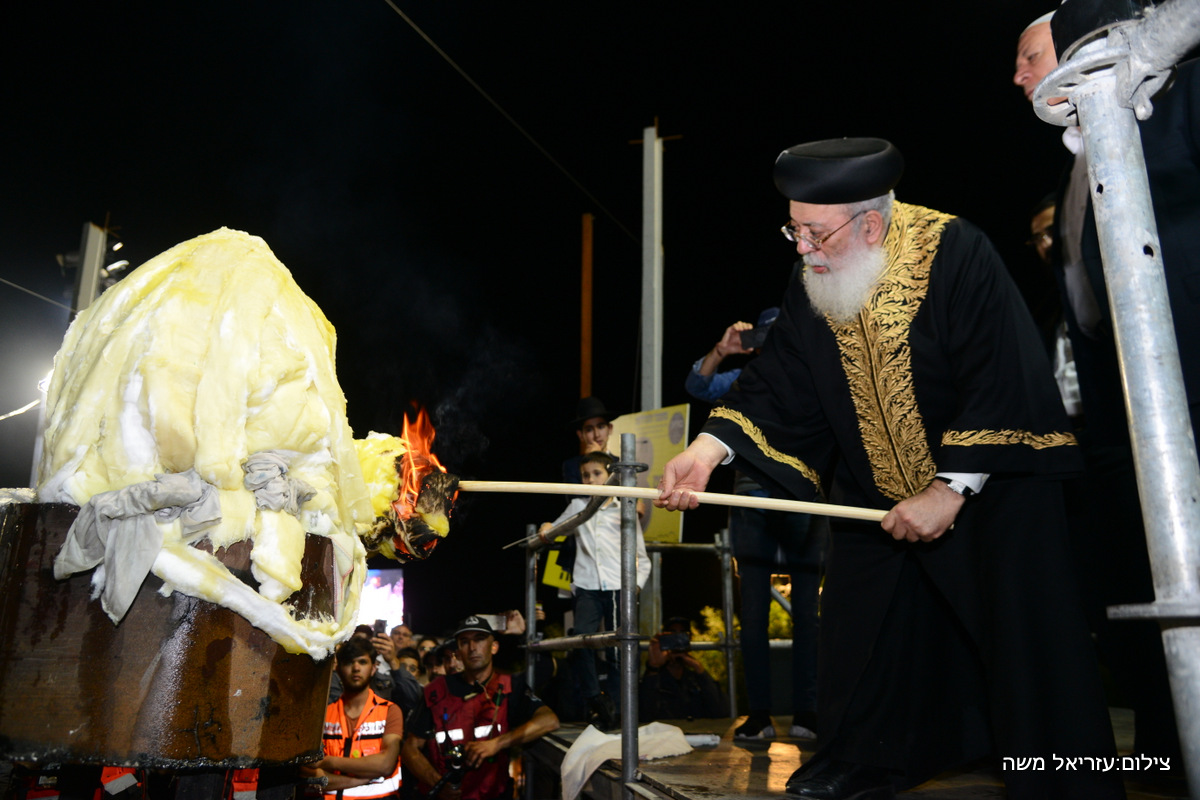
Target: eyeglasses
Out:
[793,234]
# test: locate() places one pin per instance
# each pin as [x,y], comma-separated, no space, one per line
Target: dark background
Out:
[441,243]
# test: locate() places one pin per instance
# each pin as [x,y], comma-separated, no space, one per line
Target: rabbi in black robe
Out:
[905,374]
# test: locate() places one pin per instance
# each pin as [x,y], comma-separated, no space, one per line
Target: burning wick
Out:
[416,464]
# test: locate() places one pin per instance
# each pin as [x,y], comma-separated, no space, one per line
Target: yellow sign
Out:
[660,435]
[555,575]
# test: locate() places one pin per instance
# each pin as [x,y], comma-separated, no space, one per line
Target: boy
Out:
[596,579]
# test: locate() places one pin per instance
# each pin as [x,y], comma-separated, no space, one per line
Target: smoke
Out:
[497,379]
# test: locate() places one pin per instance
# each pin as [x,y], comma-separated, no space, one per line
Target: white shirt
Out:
[598,547]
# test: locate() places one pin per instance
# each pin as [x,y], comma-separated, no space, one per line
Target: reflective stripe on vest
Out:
[481,732]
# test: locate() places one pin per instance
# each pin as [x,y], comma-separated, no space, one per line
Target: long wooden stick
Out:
[714,498]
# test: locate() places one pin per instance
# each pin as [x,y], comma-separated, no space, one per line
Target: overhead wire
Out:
[20,410]
[35,294]
[34,404]
[512,121]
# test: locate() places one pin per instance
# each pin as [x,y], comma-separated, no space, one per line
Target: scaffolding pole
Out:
[531,635]
[1107,77]
[627,629]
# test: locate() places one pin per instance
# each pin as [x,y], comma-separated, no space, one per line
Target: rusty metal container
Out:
[180,682]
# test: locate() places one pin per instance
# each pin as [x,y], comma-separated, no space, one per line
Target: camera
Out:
[675,642]
[456,760]
[754,338]
[456,763]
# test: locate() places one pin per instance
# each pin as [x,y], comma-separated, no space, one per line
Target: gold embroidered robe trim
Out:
[760,441]
[877,359]
[1034,440]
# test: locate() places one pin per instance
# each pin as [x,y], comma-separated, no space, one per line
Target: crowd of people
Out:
[426,717]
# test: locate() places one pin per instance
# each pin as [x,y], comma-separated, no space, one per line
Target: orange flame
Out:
[416,463]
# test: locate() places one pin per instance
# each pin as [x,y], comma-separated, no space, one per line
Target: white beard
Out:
[844,291]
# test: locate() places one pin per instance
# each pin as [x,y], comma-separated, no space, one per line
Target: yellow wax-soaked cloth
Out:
[201,358]
[593,748]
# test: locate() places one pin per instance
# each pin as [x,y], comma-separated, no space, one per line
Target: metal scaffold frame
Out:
[1108,78]
[626,636]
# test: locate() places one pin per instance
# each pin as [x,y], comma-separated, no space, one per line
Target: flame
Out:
[416,463]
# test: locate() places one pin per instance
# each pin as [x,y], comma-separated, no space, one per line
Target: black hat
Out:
[472,623]
[838,171]
[590,407]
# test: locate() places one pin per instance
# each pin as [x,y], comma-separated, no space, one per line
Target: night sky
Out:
[442,244]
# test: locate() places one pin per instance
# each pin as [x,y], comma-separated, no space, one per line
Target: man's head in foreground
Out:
[1035,55]
[840,193]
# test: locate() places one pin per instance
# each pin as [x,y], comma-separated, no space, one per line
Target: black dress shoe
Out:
[840,780]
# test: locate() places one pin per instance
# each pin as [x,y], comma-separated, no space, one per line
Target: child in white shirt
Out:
[596,579]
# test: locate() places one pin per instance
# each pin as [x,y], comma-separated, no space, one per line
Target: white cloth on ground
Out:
[593,748]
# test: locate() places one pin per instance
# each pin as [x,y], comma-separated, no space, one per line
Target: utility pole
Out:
[652,269]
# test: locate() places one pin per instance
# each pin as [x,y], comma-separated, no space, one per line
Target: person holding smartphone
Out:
[675,684]
[765,543]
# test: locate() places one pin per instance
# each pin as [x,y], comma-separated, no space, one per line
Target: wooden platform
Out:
[748,769]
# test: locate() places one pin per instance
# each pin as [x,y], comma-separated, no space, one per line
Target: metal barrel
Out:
[180,682]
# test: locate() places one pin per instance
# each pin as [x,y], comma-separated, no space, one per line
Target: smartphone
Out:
[381,627]
[498,621]
[675,642]
[754,338]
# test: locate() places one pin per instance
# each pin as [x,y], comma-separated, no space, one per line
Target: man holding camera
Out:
[676,685]
[457,741]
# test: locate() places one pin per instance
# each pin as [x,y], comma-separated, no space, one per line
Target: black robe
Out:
[934,653]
